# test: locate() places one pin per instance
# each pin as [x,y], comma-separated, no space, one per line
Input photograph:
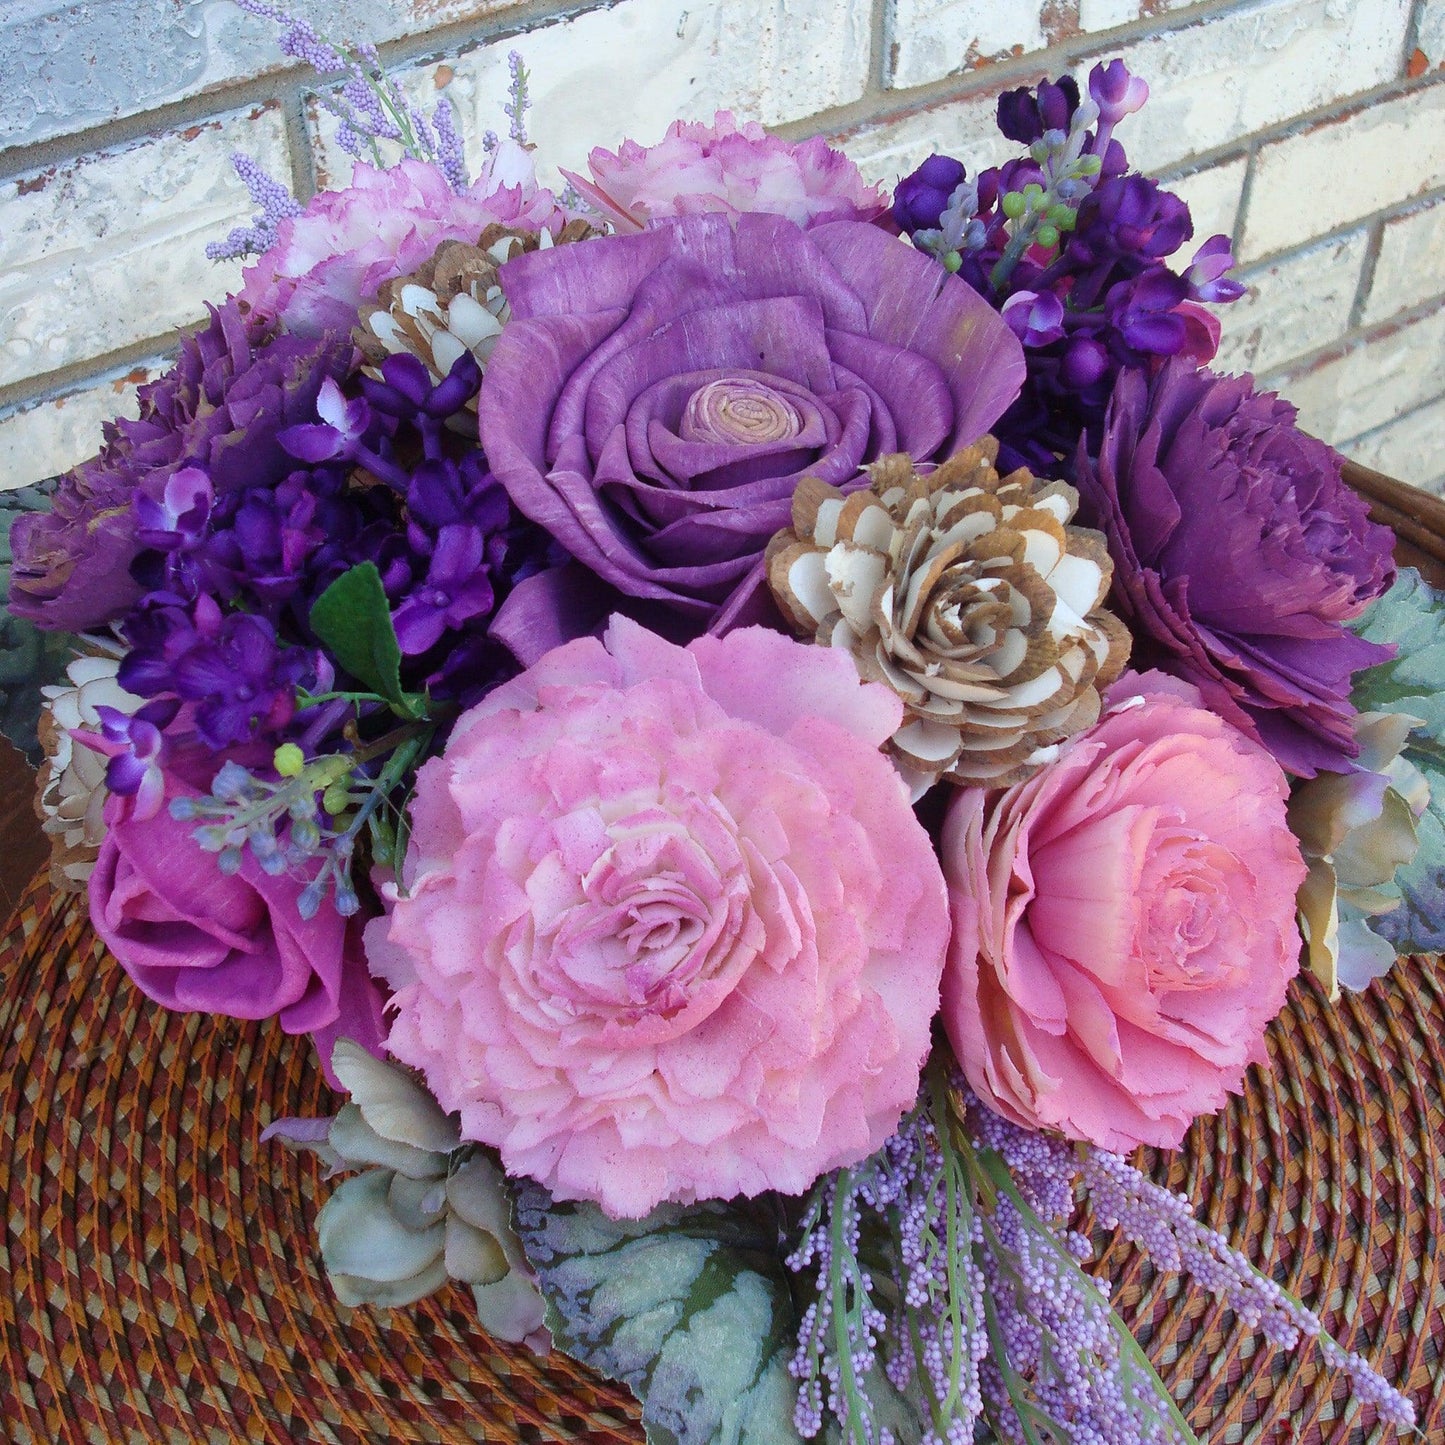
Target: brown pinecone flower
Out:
[451,304]
[968,594]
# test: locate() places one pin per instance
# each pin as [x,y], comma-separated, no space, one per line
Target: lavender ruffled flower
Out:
[1239,555]
[220,409]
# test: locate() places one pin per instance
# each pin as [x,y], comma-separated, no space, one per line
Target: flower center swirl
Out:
[735,409]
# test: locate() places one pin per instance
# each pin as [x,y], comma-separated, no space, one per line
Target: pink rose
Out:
[1123,923]
[345,244]
[196,939]
[728,168]
[671,928]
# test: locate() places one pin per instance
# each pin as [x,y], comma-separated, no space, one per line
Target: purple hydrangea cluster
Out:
[1072,248]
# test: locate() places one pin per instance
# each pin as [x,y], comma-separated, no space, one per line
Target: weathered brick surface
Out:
[1217,81]
[70,65]
[1408,272]
[1374,382]
[929,39]
[1305,128]
[1411,447]
[108,250]
[1340,171]
[1295,306]
[633,69]
[34,439]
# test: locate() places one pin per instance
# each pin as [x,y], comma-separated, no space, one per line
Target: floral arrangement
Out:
[769,732]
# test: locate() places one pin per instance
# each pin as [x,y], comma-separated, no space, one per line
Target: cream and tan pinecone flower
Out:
[70,790]
[451,304]
[967,593]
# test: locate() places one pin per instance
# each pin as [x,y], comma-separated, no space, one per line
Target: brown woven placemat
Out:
[158,1281]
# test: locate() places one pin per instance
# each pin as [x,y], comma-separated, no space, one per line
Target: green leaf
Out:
[353,620]
[690,1308]
[1412,616]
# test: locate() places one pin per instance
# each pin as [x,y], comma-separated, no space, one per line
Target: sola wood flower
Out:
[1356,829]
[451,304]
[71,792]
[424,1209]
[968,594]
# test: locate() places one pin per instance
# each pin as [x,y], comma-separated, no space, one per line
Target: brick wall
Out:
[1312,131]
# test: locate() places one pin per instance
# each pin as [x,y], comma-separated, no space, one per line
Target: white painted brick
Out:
[1213,196]
[1411,267]
[1342,171]
[1431,34]
[1372,384]
[632,69]
[1215,82]
[49,437]
[70,65]
[928,39]
[965,129]
[1411,449]
[109,249]
[1298,305]
[1105,14]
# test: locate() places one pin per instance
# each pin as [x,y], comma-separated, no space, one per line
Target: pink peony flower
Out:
[1123,923]
[196,939]
[671,930]
[345,244]
[728,168]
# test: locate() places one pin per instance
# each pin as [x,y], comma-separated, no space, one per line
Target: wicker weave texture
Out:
[160,1283]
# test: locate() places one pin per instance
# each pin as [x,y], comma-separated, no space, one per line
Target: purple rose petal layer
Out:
[808,355]
[1239,554]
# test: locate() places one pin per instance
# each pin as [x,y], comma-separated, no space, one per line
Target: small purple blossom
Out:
[455,590]
[1037,319]
[1207,275]
[1024,115]
[921,198]
[136,748]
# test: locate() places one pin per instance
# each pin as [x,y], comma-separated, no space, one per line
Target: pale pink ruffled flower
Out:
[725,167]
[1123,923]
[671,930]
[345,244]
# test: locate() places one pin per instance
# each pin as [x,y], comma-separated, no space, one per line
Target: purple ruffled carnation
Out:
[656,398]
[219,409]
[1239,555]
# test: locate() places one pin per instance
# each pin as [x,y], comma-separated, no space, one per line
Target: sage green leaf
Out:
[1412,616]
[690,1308]
[353,620]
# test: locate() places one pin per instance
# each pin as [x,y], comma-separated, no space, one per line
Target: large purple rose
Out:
[656,398]
[1239,554]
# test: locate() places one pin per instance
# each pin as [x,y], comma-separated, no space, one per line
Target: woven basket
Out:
[158,1281]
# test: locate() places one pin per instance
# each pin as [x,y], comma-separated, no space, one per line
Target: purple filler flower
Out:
[135,747]
[1239,555]
[656,398]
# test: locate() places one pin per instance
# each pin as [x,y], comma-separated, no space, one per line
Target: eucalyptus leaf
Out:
[1412,616]
[689,1307]
[353,620]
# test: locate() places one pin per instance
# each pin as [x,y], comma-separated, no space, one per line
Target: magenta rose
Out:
[656,398]
[671,930]
[1123,923]
[198,940]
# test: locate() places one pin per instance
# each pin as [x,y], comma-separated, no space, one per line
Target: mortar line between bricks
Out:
[452,38]
[879,63]
[298,143]
[1385,214]
[1280,376]
[1375,431]
[1374,239]
[902,105]
[89,372]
